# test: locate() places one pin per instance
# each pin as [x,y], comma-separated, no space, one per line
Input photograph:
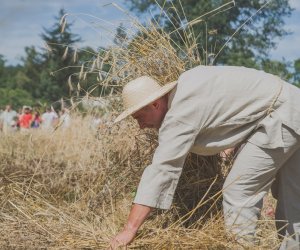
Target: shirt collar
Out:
[171,96]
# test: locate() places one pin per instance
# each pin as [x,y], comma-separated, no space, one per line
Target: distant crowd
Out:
[27,118]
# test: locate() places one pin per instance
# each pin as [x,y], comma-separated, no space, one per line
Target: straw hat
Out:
[140,92]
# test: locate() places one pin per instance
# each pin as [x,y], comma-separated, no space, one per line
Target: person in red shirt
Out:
[25,119]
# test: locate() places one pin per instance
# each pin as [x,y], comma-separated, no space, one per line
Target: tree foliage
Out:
[121,35]
[297,72]
[16,97]
[31,72]
[58,59]
[214,26]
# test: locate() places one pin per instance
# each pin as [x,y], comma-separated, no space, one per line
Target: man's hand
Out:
[137,216]
[122,239]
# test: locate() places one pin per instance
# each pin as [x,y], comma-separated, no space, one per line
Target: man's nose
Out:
[141,124]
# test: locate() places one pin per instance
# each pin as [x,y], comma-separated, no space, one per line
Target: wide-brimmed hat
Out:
[140,92]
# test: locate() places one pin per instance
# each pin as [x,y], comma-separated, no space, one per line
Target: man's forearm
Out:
[137,216]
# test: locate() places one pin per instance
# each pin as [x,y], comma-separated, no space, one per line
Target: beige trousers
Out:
[252,175]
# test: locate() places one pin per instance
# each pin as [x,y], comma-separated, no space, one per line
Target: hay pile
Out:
[73,189]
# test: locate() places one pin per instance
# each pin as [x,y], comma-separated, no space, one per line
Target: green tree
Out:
[297,72]
[2,72]
[88,79]
[32,68]
[10,76]
[250,44]
[94,70]
[58,59]
[280,69]
[121,35]
[16,97]
[2,66]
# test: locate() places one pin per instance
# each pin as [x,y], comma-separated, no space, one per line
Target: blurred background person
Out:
[7,121]
[96,122]
[36,120]
[25,119]
[49,119]
[65,118]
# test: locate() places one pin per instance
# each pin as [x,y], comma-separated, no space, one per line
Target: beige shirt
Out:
[214,108]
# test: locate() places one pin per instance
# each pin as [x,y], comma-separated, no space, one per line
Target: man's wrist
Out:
[131,227]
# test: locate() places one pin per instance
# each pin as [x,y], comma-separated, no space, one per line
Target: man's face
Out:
[152,115]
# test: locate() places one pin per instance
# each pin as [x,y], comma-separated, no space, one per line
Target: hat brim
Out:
[151,98]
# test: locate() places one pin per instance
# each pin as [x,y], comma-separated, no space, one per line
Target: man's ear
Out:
[156,104]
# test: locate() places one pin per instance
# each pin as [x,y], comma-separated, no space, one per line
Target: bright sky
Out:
[22,22]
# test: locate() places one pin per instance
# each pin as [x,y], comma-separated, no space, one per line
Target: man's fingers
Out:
[115,243]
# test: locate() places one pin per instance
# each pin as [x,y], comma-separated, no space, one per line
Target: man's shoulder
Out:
[215,69]
[206,74]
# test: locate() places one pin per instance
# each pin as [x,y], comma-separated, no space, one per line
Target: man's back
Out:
[226,103]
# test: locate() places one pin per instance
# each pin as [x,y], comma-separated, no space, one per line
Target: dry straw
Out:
[72,189]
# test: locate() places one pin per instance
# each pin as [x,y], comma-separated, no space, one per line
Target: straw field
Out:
[73,189]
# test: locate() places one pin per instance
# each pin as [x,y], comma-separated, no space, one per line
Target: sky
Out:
[22,22]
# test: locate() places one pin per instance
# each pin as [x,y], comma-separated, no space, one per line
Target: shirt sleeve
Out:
[159,180]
